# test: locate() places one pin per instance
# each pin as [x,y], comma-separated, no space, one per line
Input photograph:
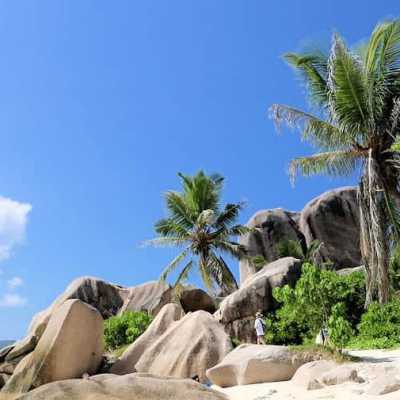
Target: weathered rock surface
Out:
[127,387]
[162,322]
[189,347]
[71,345]
[385,383]
[333,219]
[237,311]
[195,299]
[250,363]
[269,228]
[317,374]
[105,297]
[22,347]
[309,375]
[150,297]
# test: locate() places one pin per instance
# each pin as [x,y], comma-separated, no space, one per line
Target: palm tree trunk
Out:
[374,245]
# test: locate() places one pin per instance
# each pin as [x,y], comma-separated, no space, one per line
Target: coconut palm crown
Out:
[356,126]
[203,230]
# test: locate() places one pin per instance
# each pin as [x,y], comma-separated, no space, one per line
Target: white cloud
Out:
[14,282]
[12,300]
[13,221]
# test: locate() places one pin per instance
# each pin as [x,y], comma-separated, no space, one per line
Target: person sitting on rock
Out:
[259,326]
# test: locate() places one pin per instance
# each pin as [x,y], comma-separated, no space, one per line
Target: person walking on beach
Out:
[259,326]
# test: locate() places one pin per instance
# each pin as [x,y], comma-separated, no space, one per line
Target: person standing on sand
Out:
[259,326]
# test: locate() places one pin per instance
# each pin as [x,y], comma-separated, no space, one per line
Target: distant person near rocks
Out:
[259,326]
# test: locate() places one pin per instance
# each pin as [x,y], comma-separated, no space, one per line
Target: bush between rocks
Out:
[124,329]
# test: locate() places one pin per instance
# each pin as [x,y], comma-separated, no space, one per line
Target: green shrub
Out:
[306,308]
[381,324]
[340,330]
[125,329]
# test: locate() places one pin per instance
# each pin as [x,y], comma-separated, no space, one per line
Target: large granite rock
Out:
[270,227]
[105,297]
[71,345]
[150,297]
[195,299]
[161,323]
[127,387]
[189,347]
[237,311]
[333,219]
[251,363]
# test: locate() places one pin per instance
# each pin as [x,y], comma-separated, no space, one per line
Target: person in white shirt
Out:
[259,326]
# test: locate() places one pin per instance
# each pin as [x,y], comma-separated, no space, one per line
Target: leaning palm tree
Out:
[203,230]
[356,94]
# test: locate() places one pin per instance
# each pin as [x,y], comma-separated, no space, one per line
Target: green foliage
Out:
[395,269]
[340,330]
[356,93]
[306,308]
[379,327]
[294,248]
[203,230]
[257,262]
[290,248]
[124,329]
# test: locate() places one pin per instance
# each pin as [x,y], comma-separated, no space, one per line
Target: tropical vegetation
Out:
[355,93]
[124,329]
[320,299]
[203,230]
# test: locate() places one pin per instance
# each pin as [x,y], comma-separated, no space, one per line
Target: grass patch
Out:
[317,352]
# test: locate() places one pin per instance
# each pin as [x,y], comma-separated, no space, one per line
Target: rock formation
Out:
[127,387]
[189,347]
[71,345]
[331,219]
[270,227]
[252,363]
[237,311]
[162,322]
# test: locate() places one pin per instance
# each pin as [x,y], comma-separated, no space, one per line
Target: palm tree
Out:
[356,94]
[203,230]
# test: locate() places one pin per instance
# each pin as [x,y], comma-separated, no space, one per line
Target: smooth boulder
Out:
[162,322]
[149,297]
[333,219]
[71,345]
[189,347]
[195,299]
[127,387]
[269,228]
[250,363]
[237,311]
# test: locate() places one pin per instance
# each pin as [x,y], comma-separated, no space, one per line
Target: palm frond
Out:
[174,263]
[320,133]
[313,69]
[234,249]
[347,91]
[167,227]
[228,215]
[165,241]
[182,277]
[290,248]
[178,209]
[221,273]
[335,163]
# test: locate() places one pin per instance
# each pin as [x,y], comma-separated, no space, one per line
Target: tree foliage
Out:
[203,229]
[356,127]
[307,307]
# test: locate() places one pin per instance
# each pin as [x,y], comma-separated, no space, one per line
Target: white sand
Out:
[289,391]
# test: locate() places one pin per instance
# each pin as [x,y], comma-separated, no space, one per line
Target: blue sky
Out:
[102,103]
